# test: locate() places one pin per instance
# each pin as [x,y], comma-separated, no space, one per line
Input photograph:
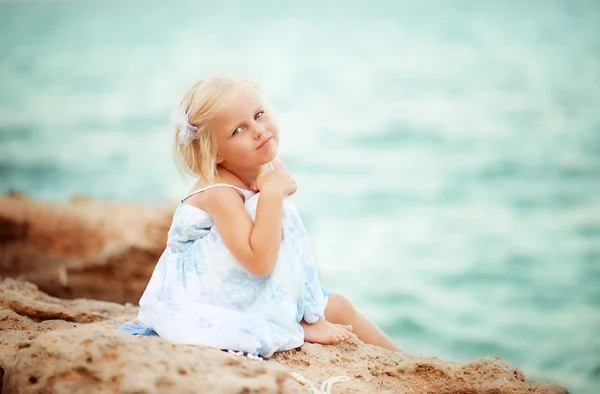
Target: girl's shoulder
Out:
[202,192]
[223,176]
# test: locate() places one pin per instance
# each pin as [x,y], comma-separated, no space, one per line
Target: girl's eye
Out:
[259,114]
[236,131]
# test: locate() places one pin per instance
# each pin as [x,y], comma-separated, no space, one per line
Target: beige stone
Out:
[50,345]
[107,251]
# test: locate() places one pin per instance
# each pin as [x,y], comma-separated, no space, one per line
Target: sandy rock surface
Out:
[107,251]
[50,345]
[88,248]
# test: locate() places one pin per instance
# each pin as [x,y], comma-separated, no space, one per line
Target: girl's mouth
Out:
[264,143]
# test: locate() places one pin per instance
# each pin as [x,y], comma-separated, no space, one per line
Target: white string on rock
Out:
[325,388]
[328,384]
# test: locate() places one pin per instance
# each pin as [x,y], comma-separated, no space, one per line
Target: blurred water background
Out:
[447,153]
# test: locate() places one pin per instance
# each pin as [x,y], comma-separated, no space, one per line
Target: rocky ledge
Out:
[108,250]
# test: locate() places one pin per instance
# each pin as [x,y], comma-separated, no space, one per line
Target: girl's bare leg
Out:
[340,310]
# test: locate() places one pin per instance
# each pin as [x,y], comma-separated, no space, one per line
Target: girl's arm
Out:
[254,244]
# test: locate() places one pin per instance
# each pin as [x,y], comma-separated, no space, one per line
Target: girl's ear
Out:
[219,159]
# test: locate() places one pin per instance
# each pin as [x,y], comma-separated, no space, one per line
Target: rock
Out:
[52,345]
[88,248]
[545,388]
[97,358]
[107,251]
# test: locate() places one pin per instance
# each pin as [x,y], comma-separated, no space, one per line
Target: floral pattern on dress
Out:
[200,294]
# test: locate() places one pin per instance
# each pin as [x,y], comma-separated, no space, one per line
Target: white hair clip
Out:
[185,130]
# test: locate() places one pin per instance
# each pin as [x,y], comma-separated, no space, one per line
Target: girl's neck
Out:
[246,175]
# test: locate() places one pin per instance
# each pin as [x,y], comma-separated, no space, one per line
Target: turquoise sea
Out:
[447,153]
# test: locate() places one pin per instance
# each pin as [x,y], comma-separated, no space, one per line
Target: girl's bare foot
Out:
[325,333]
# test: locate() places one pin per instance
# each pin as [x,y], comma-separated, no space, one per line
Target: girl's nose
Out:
[258,132]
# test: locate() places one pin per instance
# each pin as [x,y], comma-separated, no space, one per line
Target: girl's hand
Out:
[277,181]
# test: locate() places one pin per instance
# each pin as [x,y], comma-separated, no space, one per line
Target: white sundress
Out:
[200,294]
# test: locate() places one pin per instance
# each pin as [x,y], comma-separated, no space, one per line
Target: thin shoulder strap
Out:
[210,187]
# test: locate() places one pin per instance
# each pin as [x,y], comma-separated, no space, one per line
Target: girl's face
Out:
[247,132]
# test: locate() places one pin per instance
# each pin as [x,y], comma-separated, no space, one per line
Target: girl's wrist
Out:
[271,194]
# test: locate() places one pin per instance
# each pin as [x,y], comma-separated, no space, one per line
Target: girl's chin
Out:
[271,154]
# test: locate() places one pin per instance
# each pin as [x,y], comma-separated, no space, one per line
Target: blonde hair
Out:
[204,101]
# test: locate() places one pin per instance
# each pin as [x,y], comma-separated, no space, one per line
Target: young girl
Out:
[238,272]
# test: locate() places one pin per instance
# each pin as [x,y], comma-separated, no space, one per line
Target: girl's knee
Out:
[339,309]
